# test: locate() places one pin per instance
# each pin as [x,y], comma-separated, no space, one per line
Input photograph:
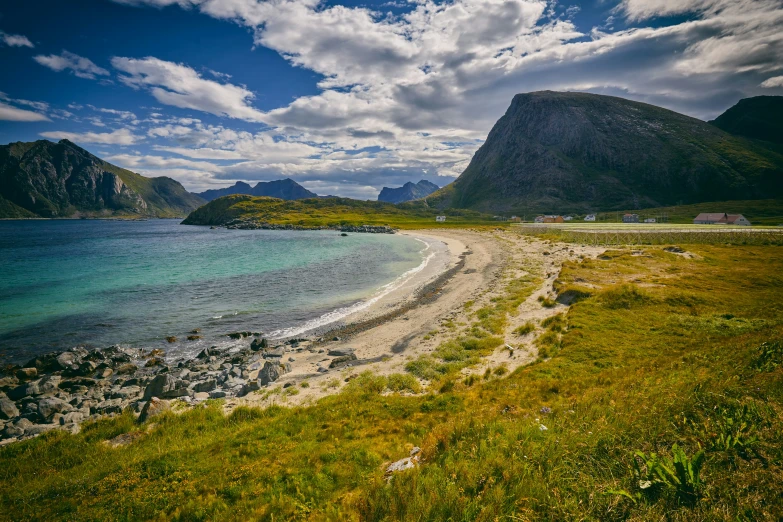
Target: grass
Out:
[663,402]
[759,212]
[332,212]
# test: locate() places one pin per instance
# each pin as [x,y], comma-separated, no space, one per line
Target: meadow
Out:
[658,394]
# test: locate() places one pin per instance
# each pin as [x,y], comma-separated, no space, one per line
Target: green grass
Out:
[332,212]
[759,212]
[667,357]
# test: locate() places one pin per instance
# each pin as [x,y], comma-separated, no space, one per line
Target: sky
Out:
[349,96]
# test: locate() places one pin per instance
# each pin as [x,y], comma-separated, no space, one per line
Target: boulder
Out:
[12,431]
[249,388]
[340,352]
[37,429]
[68,361]
[275,353]
[108,406]
[8,409]
[269,373]
[153,408]
[73,417]
[25,374]
[49,406]
[126,369]
[259,344]
[165,386]
[205,386]
[342,360]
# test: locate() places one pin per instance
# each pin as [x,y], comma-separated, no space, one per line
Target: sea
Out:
[97,283]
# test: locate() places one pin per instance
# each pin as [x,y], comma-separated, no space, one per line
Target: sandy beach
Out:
[409,321]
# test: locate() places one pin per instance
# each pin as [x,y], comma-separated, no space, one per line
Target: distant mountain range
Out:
[407,192]
[571,152]
[46,179]
[281,189]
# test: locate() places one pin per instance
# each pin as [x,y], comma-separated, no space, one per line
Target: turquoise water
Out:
[98,283]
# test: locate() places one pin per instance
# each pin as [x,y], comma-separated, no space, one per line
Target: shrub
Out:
[525,329]
[398,382]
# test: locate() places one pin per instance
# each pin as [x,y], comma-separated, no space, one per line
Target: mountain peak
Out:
[409,191]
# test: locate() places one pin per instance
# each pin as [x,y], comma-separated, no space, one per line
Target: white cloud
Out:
[775,81]
[181,86]
[15,40]
[10,113]
[116,137]
[78,65]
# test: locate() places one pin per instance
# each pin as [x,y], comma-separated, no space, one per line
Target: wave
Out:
[342,313]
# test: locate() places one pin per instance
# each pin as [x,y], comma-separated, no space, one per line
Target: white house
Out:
[440,219]
[650,220]
[590,217]
[539,219]
[568,218]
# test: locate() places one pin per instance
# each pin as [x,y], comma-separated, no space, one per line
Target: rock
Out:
[73,428]
[205,386]
[249,388]
[8,409]
[339,361]
[171,339]
[123,440]
[291,359]
[25,374]
[288,385]
[269,373]
[322,370]
[194,337]
[153,408]
[126,393]
[165,386]
[340,352]
[154,361]
[275,353]
[49,406]
[12,431]
[73,417]
[37,429]
[201,396]
[259,344]
[402,465]
[126,369]
[104,373]
[72,384]
[107,406]
[217,394]
[239,335]
[68,361]
[49,384]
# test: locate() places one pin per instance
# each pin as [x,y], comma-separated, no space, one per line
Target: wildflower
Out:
[546,409]
[542,427]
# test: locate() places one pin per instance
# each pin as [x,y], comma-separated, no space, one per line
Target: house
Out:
[553,219]
[539,219]
[590,217]
[568,218]
[650,220]
[720,218]
[440,219]
[630,218]
[515,219]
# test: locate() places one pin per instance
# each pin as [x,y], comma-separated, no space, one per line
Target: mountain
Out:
[760,118]
[407,192]
[46,179]
[571,152]
[280,189]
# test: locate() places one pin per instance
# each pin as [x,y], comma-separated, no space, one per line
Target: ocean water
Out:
[99,283]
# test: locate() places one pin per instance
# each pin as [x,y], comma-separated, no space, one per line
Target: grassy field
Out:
[759,212]
[331,212]
[659,397]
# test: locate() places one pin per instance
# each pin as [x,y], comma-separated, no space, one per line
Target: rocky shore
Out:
[63,390]
[249,224]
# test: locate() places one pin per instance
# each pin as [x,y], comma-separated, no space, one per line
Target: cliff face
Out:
[287,189]
[564,152]
[407,192]
[45,179]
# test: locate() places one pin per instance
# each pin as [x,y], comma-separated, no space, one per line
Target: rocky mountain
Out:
[570,152]
[759,118]
[46,179]
[280,189]
[407,192]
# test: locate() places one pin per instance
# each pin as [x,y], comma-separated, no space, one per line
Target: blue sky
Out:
[348,96]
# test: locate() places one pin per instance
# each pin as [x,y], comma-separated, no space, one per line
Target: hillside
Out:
[331,212]
[760,118]
[407,192]
[281,189]
[46,179]
[572,152]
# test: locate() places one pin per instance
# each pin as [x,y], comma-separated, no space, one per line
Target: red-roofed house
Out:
[720,218]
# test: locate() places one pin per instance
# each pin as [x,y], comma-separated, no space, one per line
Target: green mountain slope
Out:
[46,179]
[760,118]
[571,152]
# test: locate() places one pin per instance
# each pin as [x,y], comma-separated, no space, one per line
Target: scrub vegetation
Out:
[660,398]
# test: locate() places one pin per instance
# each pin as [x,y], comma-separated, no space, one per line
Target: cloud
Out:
[10,113]
[181,86]
[78,65]
[116,137]
[775,81]
[15,40]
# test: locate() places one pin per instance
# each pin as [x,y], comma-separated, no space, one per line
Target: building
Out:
[553,219]
[630,218]
[568,218]
[515,219]
[440,219]
[590,217]
[650,220]
[539,219]
[721,218]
